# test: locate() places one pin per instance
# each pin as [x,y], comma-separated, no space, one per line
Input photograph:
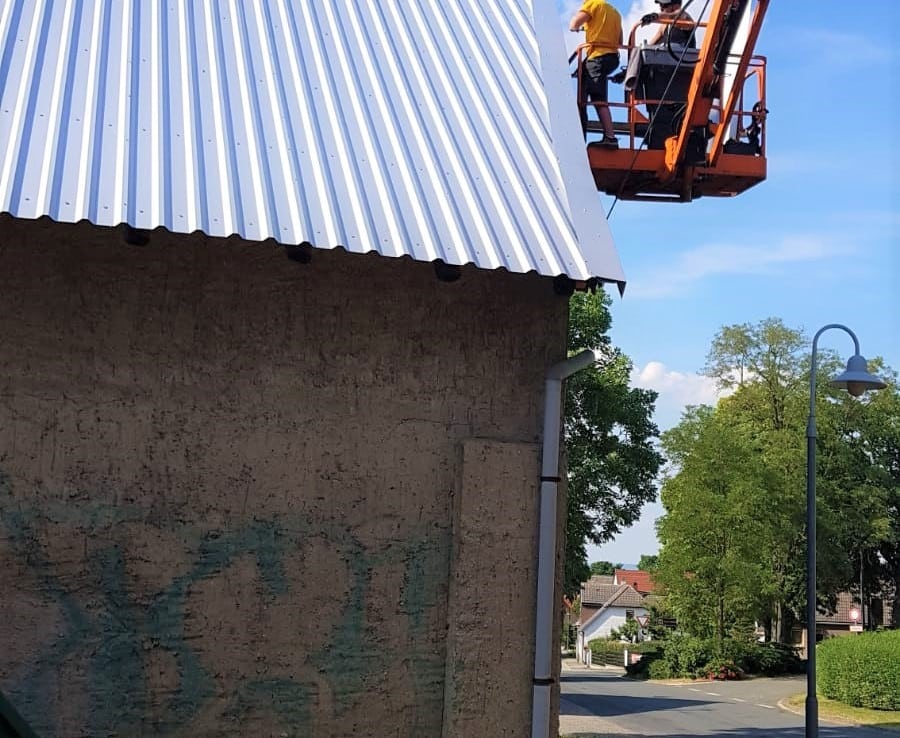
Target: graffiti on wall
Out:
[289,622]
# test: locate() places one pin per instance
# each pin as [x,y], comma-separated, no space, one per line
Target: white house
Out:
[606,607]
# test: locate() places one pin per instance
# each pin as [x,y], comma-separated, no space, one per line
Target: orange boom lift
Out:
[695,119]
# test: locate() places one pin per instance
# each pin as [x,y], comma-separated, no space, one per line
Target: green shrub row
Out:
[861,670]
[603,646]
[690,657]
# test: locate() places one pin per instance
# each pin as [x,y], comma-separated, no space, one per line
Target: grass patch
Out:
[839,712]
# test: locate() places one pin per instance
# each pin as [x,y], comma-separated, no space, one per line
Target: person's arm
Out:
[649,18]
[578,20]
[672,16]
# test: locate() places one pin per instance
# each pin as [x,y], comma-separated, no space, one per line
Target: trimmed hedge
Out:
[861,670]
[602,645]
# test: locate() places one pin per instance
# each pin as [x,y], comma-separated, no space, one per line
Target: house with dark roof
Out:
[848,612]
[848,617]
[606,607]
[283,299]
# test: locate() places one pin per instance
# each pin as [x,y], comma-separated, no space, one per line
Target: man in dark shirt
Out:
[668,32]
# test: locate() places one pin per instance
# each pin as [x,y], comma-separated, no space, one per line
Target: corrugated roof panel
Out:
[435,129]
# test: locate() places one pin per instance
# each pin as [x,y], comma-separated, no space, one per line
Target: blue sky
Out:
[817,242]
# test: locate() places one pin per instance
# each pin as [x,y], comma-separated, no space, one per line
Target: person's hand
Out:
[649,18]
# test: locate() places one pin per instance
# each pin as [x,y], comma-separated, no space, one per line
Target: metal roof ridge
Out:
[248,119]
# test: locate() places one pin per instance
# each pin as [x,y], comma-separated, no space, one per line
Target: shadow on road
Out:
[624,705]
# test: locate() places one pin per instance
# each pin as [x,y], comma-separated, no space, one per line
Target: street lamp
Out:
[856,380]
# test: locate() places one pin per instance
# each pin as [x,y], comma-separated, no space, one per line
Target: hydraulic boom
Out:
[694,119]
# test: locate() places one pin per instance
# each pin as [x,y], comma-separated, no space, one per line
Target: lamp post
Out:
[856,380]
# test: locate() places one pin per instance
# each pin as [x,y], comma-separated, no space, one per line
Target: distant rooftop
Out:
[846,602]
[622,595]
[642,581]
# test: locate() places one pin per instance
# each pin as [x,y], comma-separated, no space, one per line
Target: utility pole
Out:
[862,601]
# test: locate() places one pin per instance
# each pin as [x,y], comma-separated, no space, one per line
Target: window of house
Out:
[629,614]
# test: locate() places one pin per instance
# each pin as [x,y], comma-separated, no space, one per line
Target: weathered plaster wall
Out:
[613,618]
[240,496]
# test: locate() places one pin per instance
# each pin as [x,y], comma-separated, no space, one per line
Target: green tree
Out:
[759,437]
[860,473]
[610,436]
[648,562]
[766,367]
[768,354]
[604,567]
[716,531]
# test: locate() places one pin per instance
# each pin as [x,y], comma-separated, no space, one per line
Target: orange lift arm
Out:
[728,105]
[708,71]
[687,142]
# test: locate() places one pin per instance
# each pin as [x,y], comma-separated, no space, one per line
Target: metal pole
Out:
[812,702]
[862,602]
[544,638]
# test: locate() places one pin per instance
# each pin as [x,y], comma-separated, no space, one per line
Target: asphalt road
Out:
[747,709]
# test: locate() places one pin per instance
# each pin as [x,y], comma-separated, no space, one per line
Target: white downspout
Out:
[546,577]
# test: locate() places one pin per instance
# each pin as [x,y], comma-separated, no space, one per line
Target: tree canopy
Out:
[604,567]
[733,533]
[610,440]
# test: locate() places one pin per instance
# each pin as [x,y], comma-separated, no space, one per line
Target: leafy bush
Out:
[658,669]
[769,659]
[682,656]
[861,670]
[722,669]
[686,656]
[630,629]
[772,659]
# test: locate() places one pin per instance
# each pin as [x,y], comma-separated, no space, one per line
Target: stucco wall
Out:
[241,496]
[613,618]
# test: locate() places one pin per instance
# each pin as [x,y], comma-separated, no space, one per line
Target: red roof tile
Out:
[641,580]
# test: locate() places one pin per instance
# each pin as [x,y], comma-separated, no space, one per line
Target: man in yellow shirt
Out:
[603,31]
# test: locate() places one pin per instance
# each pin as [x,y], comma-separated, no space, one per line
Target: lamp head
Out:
[856,379]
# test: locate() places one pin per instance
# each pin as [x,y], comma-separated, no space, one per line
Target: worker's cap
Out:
[668,2]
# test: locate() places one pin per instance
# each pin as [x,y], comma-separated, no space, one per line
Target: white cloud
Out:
[676,388]
[676,391]
[678,275]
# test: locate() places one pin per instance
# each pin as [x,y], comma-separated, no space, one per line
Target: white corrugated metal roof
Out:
[437,129]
